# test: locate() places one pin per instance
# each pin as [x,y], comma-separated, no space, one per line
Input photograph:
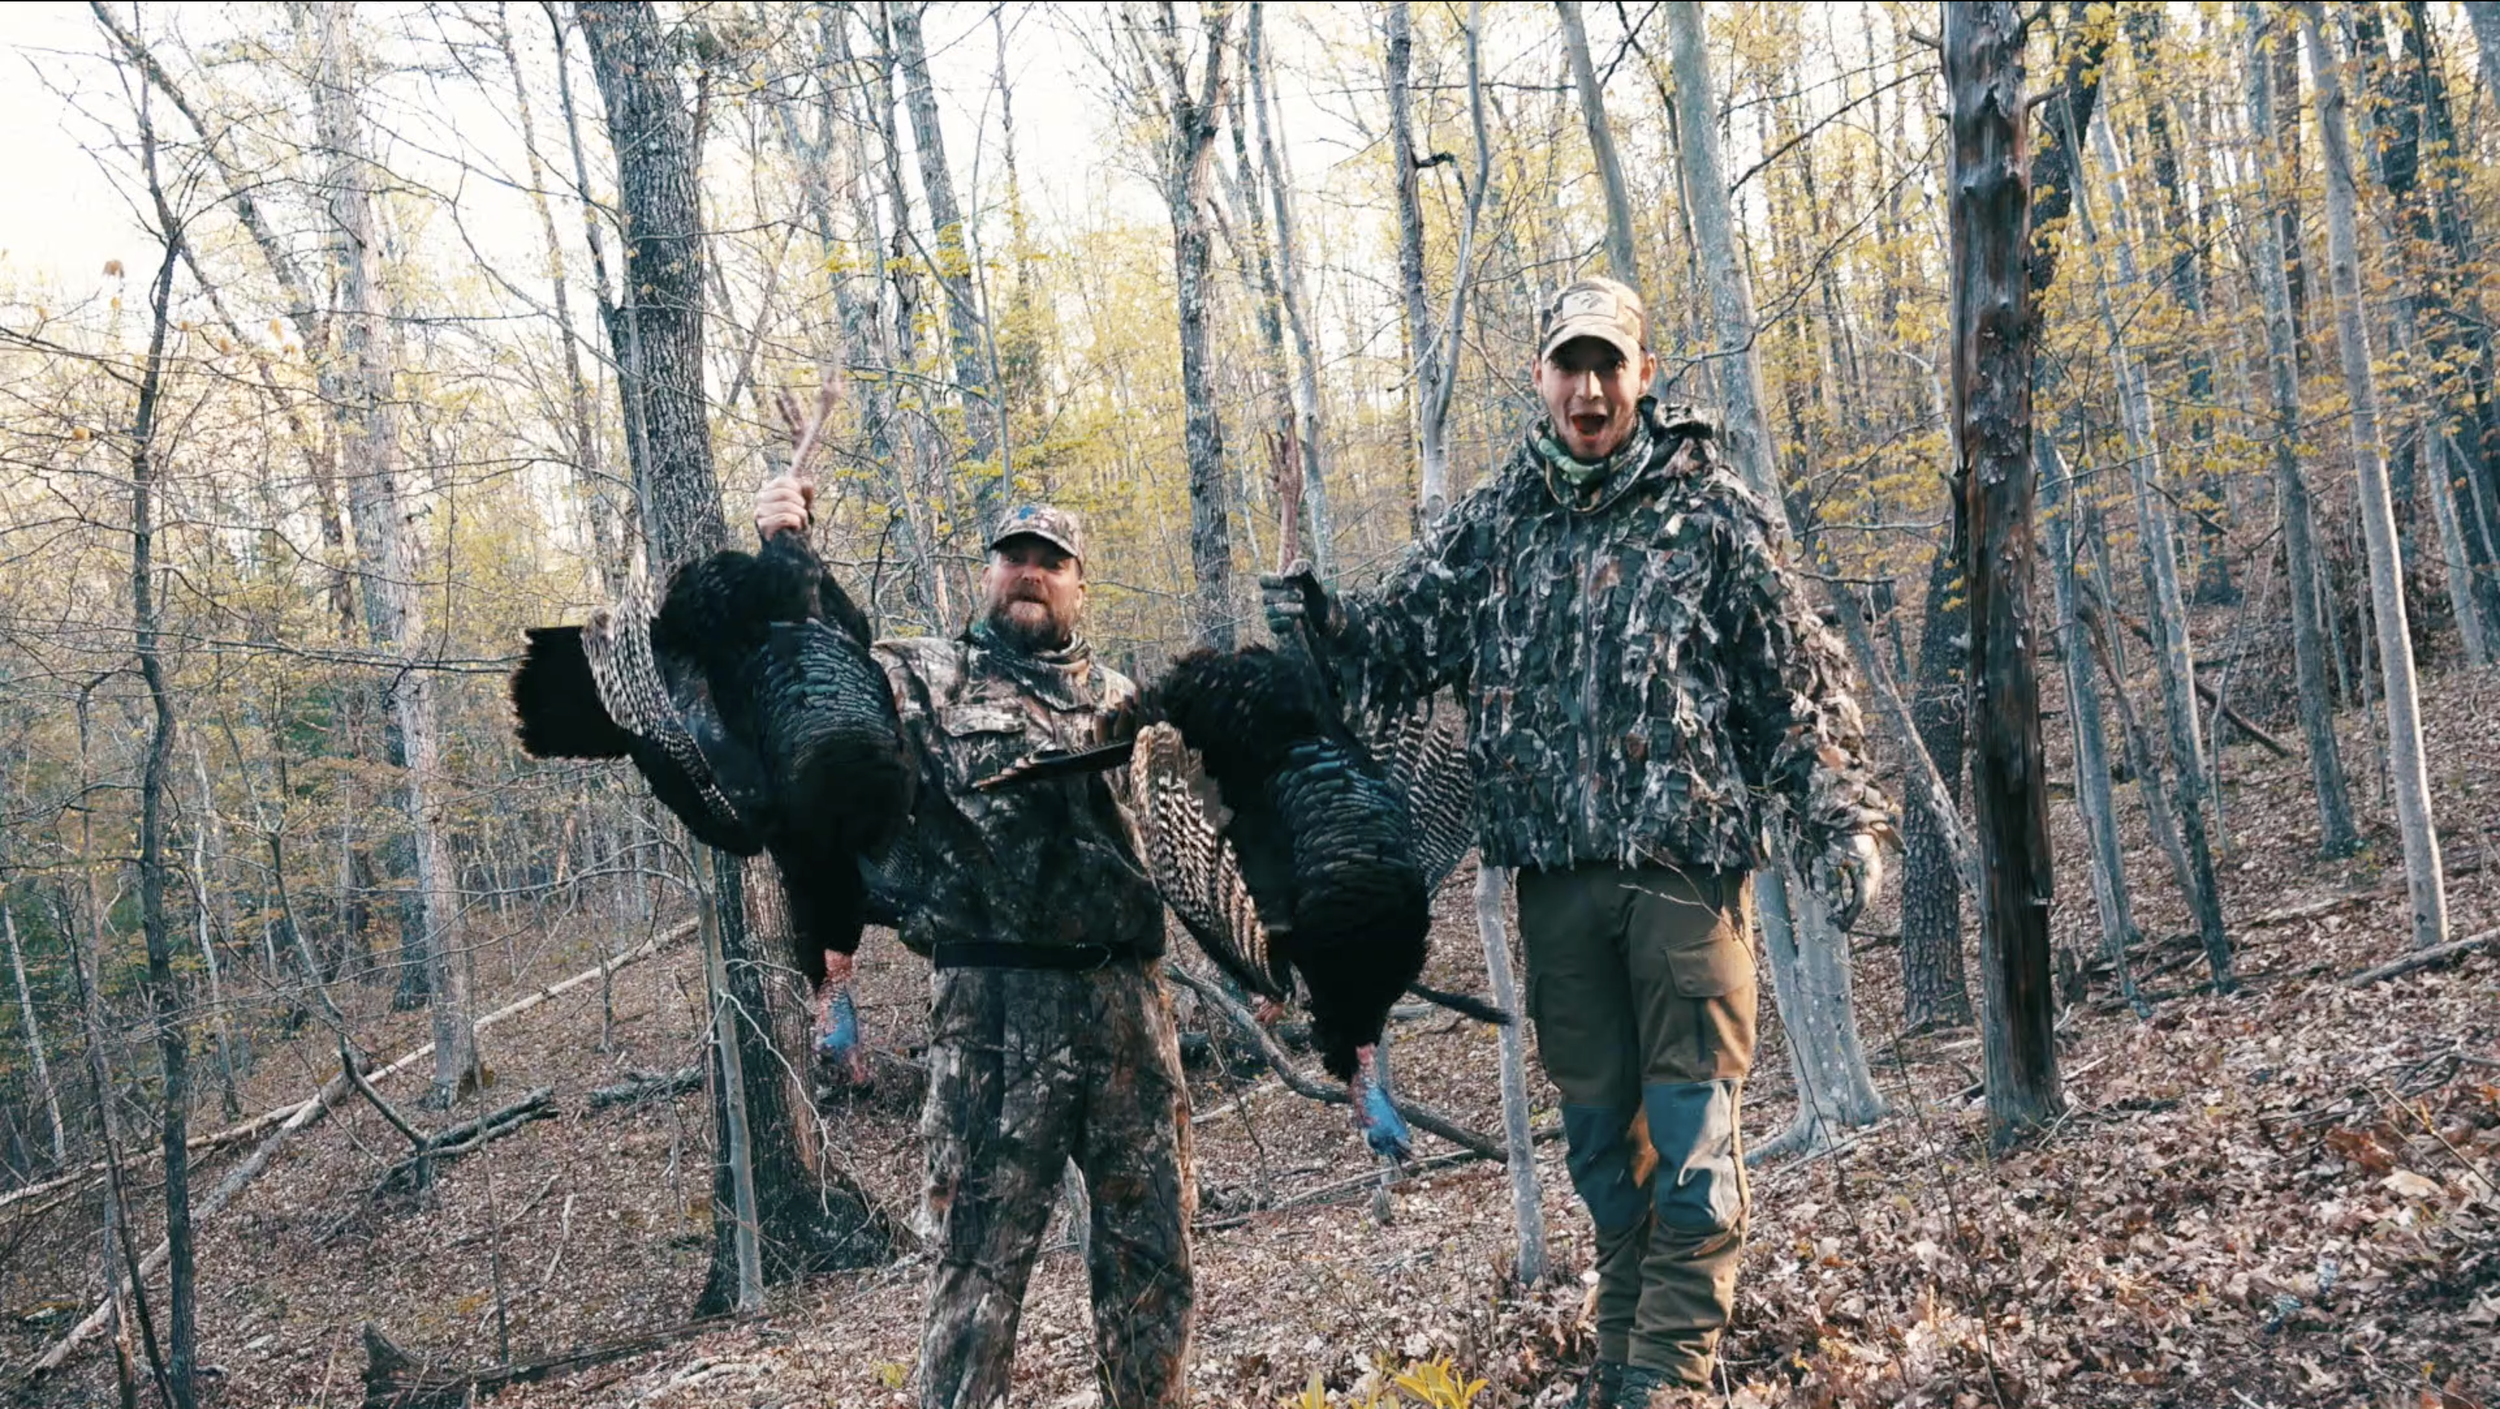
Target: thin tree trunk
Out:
[985,411]
[2104,849]
[2486,17]
[761,1184]
[1622,259]
[1308,411]
[2337,835]
[34,1040]
[1527,1205]
[1933,991]
[367,433]
[1193,116]
[2439,481]
[1424,350]
[2166,611]
[2408,773]
[1993,346]
[1809,964]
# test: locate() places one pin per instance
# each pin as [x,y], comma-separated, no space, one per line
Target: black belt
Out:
[979,954]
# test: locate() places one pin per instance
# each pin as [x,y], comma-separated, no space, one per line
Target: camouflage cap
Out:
[1059,527]
[1596,308]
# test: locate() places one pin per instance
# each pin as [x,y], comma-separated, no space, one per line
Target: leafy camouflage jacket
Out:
[1046,863]
[1645,683]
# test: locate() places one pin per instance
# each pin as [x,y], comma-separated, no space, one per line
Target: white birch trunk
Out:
[2408,772]
[1527,1204]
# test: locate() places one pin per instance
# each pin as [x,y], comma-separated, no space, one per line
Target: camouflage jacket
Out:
[1044,863]
[1645,683]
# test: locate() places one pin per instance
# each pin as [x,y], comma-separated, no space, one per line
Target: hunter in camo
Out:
[1648,692]
[1051,1038]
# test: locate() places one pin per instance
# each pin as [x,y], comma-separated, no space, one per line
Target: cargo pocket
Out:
[1714,969]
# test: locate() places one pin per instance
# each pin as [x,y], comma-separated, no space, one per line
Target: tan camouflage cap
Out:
[1059,527]
[1596,308]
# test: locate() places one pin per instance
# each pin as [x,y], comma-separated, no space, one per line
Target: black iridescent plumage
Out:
[768,726]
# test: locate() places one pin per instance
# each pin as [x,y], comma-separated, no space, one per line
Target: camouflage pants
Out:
[1029,1069]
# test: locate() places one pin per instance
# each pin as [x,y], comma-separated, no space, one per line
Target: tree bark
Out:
[2408,774]
[2105,851]
[1622,258]
[2166,610]
[1309,414]
[1809,961]
[2439,479]
[388,560]
[761,1183]
[1191,112]
[1993,348]
[1933,991]
[2337,835]
[985,411]
[1435,348]
[1527,1206]
[2486,17]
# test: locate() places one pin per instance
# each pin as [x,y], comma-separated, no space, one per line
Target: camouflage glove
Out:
[1849,873]
[1295,596]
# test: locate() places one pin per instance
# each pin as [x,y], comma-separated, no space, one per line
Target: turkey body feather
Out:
[750,704]
[1287,844]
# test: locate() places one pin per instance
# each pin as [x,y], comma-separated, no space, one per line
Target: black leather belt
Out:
[1076,958]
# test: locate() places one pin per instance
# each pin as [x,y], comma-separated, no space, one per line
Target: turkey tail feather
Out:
[1041,768]
[555,700]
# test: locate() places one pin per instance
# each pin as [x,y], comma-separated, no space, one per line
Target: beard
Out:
[1030,625]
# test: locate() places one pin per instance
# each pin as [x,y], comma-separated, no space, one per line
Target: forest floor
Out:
[2284,1196]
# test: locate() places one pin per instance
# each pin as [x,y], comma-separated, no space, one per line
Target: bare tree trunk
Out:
[985,411]
[1993,346]
[2408,774]
[388,559]
[2166,609]
[1622,259]
[2083,714]
[2336,834]
[2439,479]
[34,1040]
[1436,348]
[761,1188]
[165,1004]
[1193,113]
[589,479]
[1933,991]
[1308,411]
[1809,961]
[1527,1207]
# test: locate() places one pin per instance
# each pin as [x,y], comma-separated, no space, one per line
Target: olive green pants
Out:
[1641,987]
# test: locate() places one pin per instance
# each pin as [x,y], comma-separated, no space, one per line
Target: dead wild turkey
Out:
[1288,845]
[751,705]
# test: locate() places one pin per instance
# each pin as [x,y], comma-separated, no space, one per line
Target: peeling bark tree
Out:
[2336,834]
[1809,959]
[1989,194]
[2408,775]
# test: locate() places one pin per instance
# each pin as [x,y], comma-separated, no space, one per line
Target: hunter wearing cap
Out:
[1050,1036]
[1647,693]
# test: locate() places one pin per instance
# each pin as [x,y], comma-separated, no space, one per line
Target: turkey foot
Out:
[1376,1115]
[838,1049]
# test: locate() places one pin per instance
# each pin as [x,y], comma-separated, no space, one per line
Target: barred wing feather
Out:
[1424,755]
[1181,839]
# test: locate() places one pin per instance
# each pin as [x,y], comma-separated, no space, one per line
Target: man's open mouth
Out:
[1588,426]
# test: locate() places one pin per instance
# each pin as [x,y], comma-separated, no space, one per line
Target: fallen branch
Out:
[394,1379]
[416,1171]
[2430,958]
[1423,1117]
[2207,692]
[197,1144]
[306,1112]
[641,1086]
[2310,911]
[1363,1183]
